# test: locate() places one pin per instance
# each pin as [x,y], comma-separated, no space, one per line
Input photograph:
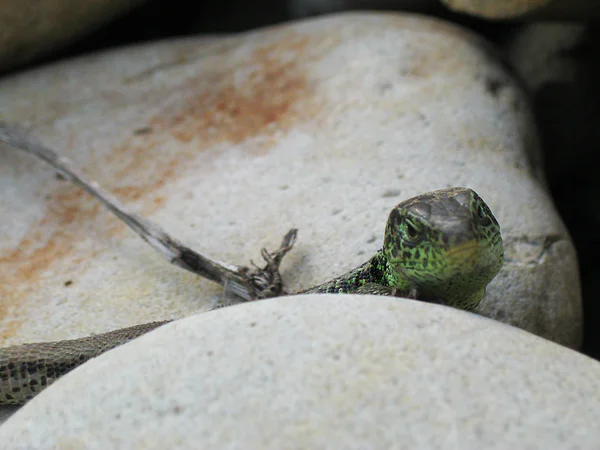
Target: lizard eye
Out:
[480,211]
[483,215]
[411,230]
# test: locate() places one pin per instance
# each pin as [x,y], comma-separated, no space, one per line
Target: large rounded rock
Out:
[323,125]
[322,372]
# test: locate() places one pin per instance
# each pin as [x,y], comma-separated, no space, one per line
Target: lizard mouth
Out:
[470,248]
[465,253]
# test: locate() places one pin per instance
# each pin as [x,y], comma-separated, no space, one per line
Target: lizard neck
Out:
[395,278]
[390,276]
[373,272]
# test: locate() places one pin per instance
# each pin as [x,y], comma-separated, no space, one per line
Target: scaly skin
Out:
[26,370]
[443,246]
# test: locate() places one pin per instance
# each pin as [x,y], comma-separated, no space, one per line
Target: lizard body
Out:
[442,246]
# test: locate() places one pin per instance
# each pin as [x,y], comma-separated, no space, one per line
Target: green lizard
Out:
[443,246]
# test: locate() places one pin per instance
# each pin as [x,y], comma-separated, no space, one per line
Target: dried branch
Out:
[246,283]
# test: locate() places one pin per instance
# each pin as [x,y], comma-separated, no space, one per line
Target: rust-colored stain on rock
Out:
[232,112]
[226,112]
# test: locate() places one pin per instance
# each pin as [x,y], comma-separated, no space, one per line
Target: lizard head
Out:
[445,244]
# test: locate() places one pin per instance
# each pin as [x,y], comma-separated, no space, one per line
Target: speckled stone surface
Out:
[29,29]
[322,125]
[322,372]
